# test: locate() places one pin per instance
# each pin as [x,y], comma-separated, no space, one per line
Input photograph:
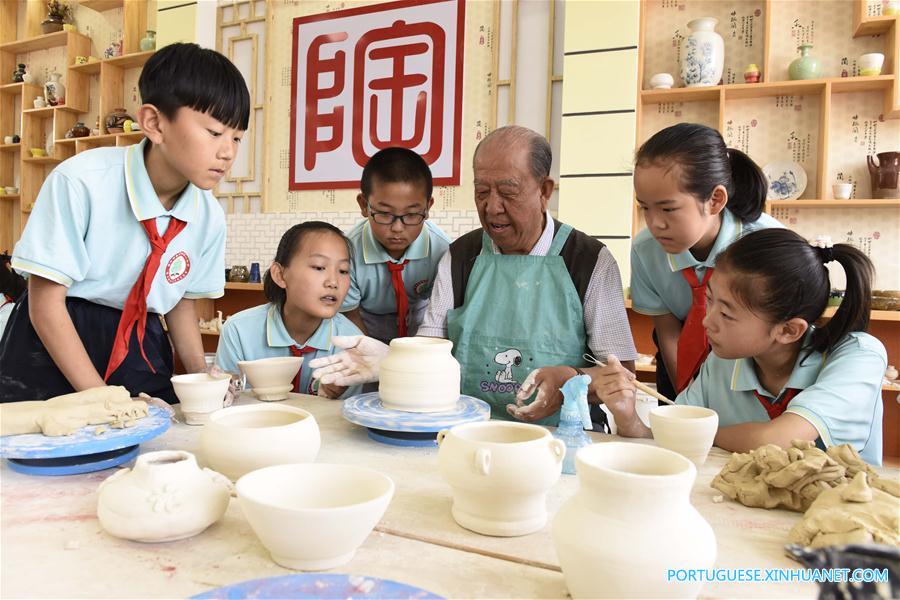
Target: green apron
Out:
[520,313]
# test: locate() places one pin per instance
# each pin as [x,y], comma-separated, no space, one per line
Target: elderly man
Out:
[522,292]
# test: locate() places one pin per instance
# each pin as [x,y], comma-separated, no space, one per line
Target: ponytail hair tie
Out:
[826,254]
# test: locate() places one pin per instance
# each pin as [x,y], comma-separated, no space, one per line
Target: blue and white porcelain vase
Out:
[702,54]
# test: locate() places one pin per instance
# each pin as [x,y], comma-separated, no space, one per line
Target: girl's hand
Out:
[331,391]
[547,381]
[613,385]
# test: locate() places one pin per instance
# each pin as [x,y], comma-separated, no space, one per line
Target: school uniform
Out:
[376,278]
[91,231]
[838,392]
[663,283]
[259,332]
[6,307]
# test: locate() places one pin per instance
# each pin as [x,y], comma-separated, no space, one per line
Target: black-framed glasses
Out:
[386,218]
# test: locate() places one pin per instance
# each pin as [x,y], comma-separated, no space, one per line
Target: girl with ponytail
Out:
[697,197]
[773,376]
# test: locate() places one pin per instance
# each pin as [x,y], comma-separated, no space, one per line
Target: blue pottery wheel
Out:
[401,428]
[84,451]
[320,585]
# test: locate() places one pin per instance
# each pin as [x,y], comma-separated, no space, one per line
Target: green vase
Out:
[806,66]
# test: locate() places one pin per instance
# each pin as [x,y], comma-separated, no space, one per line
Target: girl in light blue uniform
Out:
[697,197]
[305,286]
[773,376]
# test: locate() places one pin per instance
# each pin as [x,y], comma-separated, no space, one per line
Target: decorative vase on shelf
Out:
[752,74]
[19,73]
[115,121]
[885,175]
[805,66]
[52,25]
[702,54]
[27,77]
[148,43]
[39,102]
[78,130]
[54,90]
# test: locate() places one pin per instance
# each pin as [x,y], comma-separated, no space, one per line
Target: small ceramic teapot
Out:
[885,175]
[166,497]
[78,130]
[239,274]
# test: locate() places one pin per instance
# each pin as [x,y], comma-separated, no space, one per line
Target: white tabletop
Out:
[53,546]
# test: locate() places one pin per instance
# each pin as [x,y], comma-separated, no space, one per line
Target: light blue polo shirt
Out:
[370,280]
[259,332]
[841,394]
[657,285]
[85,233]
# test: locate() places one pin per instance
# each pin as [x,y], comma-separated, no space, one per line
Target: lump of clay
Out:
[792,478]
[851,513]
[64,415]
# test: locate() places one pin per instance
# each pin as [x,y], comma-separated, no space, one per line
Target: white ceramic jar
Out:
[165,497]
[702,54]
[500,473]
[240,439]
[631,525]
[662,81]
[419,374]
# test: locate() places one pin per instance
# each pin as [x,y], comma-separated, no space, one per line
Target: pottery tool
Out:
[639,385]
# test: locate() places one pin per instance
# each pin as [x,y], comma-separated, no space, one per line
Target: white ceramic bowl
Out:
[313,517]
[240,439]
[271,378]
[687,430]
[200,395]
[842,191]
[662,81]
[870,64]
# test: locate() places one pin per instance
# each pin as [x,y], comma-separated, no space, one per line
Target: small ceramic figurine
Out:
[18,73]
[751,73]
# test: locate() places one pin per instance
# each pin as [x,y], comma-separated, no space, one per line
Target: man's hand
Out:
[612,384]
[547,381]
[357,364]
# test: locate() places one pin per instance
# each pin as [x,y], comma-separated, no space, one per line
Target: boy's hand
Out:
[357,364]
[547,381]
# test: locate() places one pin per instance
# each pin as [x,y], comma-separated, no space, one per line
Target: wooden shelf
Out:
[135,135]
[207,332]
[41,42]
[874,25]
[126,61]
[230,285]
[42,160]
[16,89]
[101,5]
[874,203]
[10,147]
[763,90]
[12,197]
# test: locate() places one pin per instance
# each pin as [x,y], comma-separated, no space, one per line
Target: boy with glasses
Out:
[396,250]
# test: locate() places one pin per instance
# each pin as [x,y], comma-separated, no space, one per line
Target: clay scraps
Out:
[64,415]
[852,513]
[792,478]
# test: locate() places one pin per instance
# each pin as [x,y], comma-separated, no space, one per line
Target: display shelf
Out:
[9,196]
[874,25]
[767,90]
[16,89]
[10,147]
[41,160]
[101,5]
[126,61]
[42,42]
[875,203]
[243,286]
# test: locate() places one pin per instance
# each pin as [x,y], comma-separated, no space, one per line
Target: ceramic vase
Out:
[419,374]
[662,81]
[54,90]
[18,73]
[885,175]
[149,42]
[752,74]
[500,473]
[115,121]
[805,66]
[702,54]
[165,497]
[27,77]
[630,524]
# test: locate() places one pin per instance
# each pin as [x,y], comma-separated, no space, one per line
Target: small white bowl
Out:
[271,378]
[662,81]
[842,191]
[11,190]
[313,517]
[240,439]
[870,64]
[200,395]
[687,430]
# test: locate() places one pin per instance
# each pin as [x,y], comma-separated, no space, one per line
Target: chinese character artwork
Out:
[371,77]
